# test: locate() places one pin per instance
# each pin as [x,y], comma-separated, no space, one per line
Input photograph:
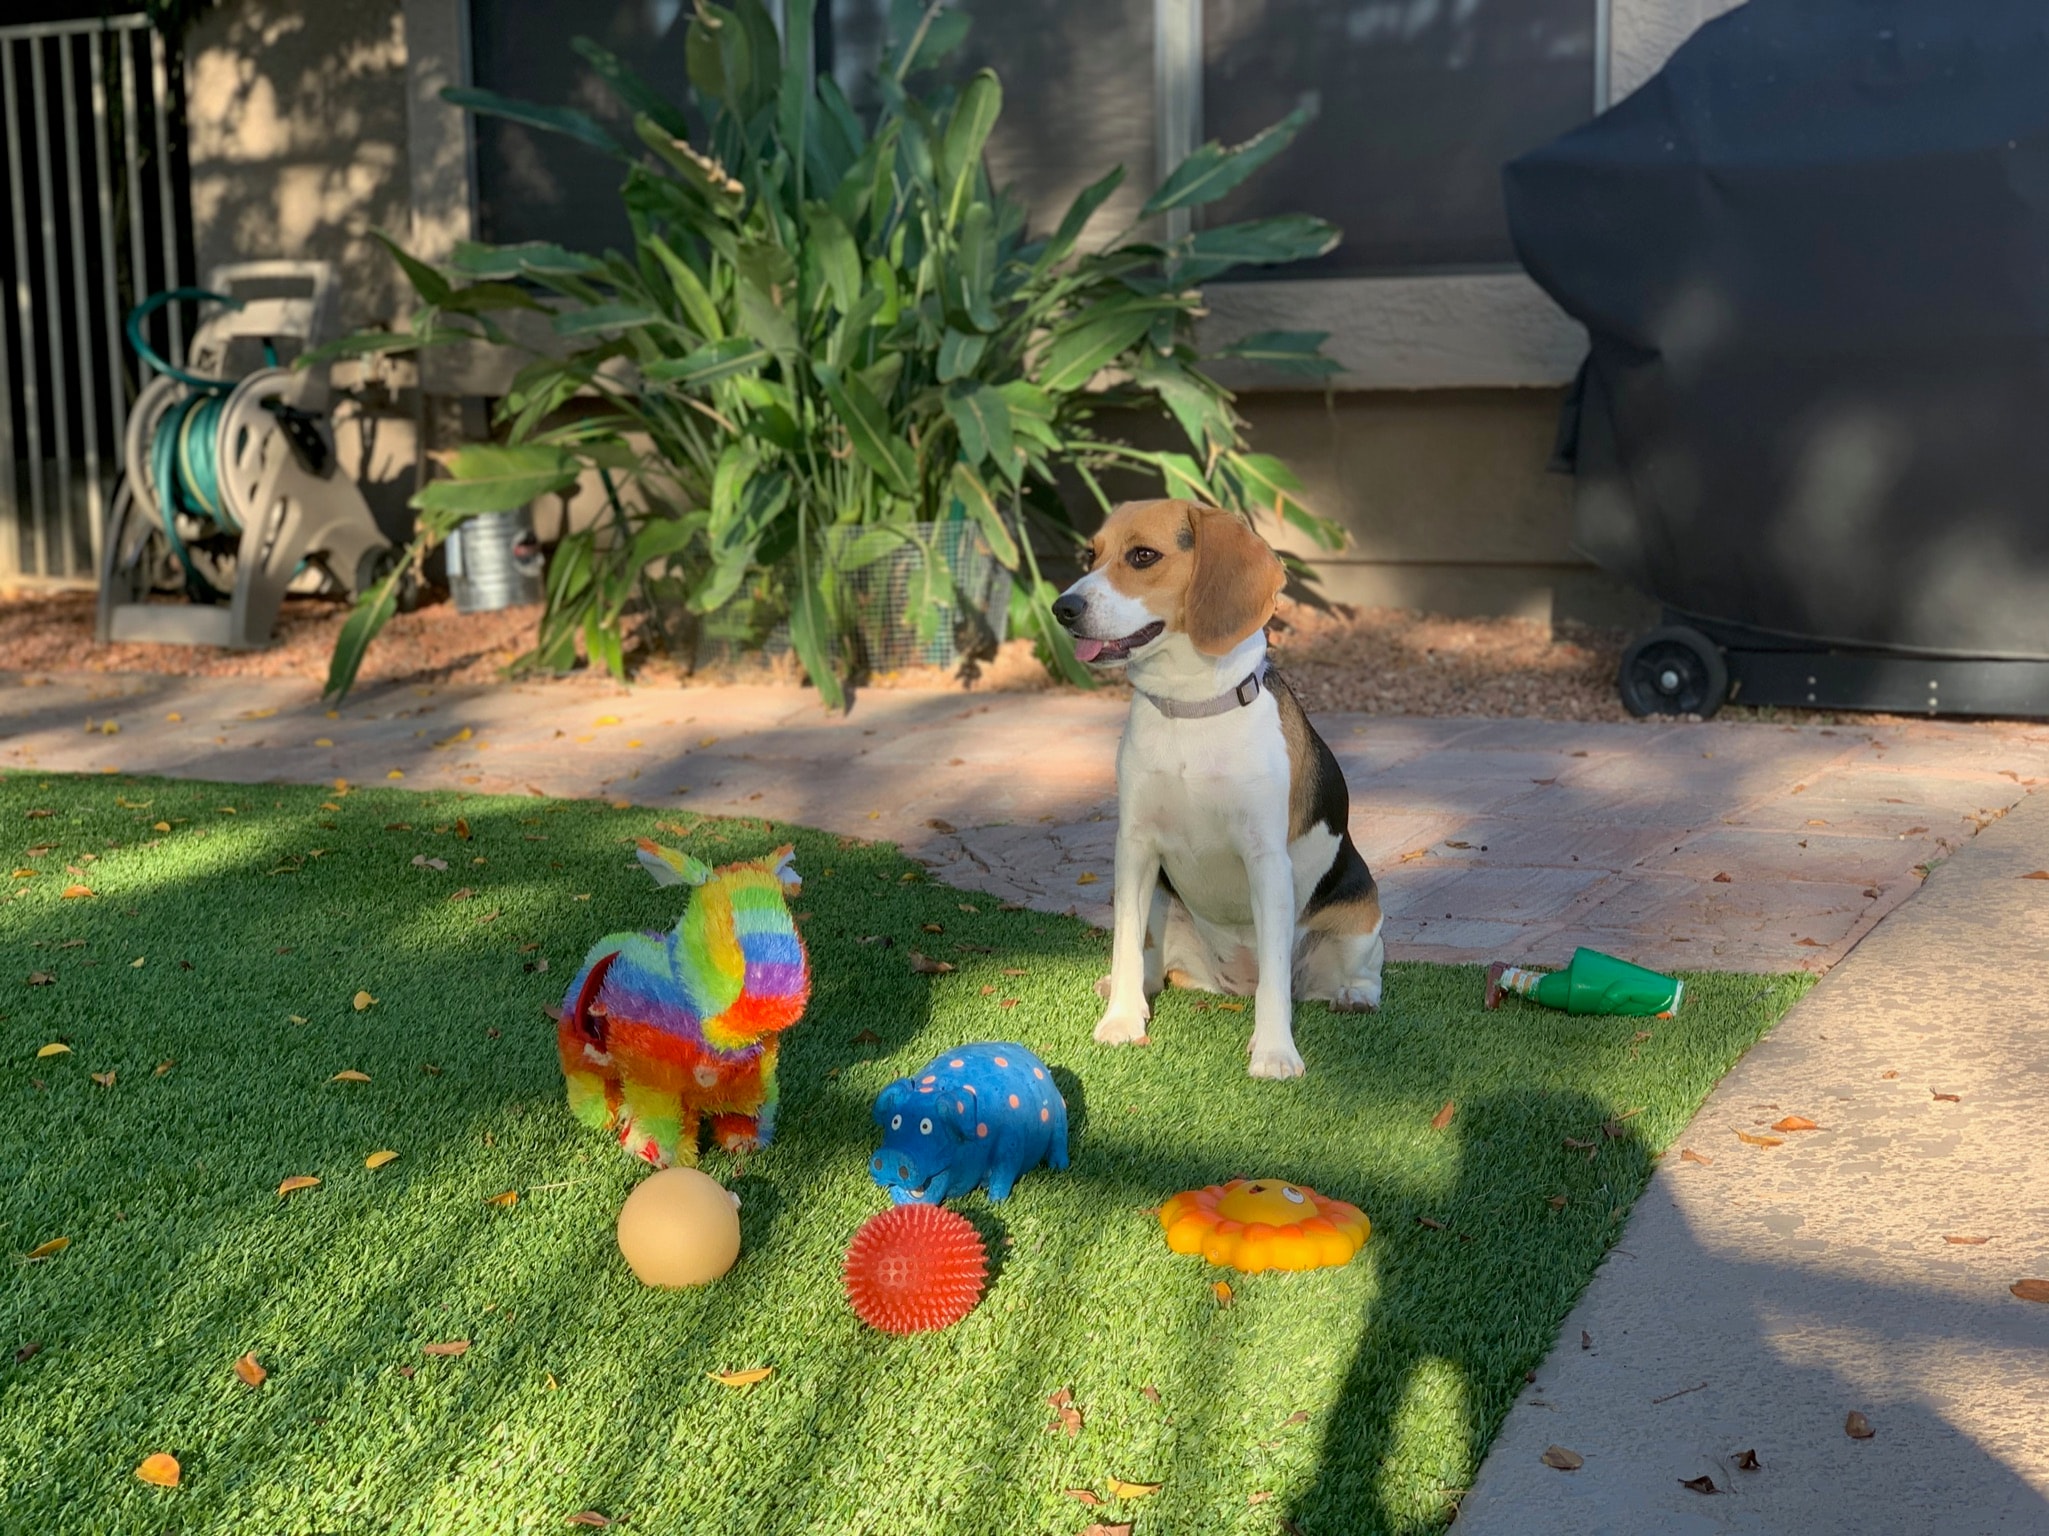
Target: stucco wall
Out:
[297,121]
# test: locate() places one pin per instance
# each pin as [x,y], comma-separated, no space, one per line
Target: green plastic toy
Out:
[1592,983]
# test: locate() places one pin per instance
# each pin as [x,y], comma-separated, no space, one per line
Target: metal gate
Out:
[90,221]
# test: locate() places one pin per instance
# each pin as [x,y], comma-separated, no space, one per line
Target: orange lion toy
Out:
[1259,1224]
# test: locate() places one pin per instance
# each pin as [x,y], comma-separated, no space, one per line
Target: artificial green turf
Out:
[1358,1399]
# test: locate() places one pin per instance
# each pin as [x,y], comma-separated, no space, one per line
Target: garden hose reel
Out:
[230,486]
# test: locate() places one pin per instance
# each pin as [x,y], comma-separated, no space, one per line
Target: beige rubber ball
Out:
[680,1227]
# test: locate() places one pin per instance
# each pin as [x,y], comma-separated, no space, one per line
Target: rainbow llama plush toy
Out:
[659,1030]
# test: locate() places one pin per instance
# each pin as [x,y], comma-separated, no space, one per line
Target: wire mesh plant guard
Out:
[921,595]
[908,595]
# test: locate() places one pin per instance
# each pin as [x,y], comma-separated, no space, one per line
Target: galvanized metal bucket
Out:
[494,561]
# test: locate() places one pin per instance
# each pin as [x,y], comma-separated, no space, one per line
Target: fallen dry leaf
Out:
[1150,1393]
[1857,1427]
[504,1198]
[1431,1222]
[252,1373]
[73,892]
[54,1246]
[1722,878]
[362,1001]
[591,1518]
[350,1075]
[27,1352]
[1556,1202]
[1086,1496]
[742,1378]
[1259,1497]
[2030,1290]
[1810,944]
[1084,878]
[1760,1141]
[1688,1155]
[1795,1123]
[924,965]
[297,1181]
[379,1159]
[1947,1098]
[1565,1461]
[1442,1118]
[451,1347]
[1102,1528]
[463,894]
[2036,874]
[1746,1461]
[1586,1340]
[104,1079]
[1701,1484]
[1889,1074]
[160,1470]
[1222,1291]
[1124,1490]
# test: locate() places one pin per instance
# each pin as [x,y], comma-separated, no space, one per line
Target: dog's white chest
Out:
[1204,794]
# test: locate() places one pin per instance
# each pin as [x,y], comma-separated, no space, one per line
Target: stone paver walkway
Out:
[1719,846]
[1760,1294]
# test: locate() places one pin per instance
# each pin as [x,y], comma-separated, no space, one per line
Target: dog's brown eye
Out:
[1141,557]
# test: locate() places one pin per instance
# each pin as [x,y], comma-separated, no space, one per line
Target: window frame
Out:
[1456,330]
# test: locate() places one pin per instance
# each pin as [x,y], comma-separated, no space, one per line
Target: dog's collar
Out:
[1223,703]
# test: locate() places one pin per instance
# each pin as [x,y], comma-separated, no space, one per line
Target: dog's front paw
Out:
[1356,1000]
[1121,1027]
[1277,1061]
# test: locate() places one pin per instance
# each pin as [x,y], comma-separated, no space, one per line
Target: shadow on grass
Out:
[1355,1400]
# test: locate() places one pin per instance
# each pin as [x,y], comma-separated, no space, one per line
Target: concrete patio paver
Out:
[1760,1294]
[1533,835]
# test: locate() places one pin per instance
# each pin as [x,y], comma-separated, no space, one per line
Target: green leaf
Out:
[691,293]
[768,284]
[429,284]
[1258,242]
[495,477]
[959,352]
[838,257]
[637,95]
[534,258]
[973,494]
[482,298]
[661,537]
[810,623]
[1079,212]
[1194,402]
[1285,351]
[868,428]
[977,267]
[1214,170]
[1076,354]
[372,612]
[795,96]
[967,131]
[982,418]
[707,365]
[603,317]
[567,120]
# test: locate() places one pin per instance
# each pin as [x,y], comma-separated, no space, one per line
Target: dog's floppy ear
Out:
[1236,581]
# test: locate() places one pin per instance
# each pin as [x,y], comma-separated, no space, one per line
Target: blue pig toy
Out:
[981,1114]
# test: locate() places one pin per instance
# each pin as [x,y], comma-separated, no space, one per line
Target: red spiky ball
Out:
[915,1269]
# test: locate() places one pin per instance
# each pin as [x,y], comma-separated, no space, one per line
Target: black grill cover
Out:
[1813,255]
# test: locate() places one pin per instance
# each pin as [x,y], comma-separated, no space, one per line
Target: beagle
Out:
[1235,869]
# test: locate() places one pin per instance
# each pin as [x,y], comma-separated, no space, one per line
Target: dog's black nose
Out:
[1068,609]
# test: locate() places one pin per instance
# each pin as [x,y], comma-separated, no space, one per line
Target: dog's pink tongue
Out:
[1087,650]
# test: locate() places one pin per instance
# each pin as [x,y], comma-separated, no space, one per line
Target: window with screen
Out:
[1419,104]
[1077,94]
[533,185]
